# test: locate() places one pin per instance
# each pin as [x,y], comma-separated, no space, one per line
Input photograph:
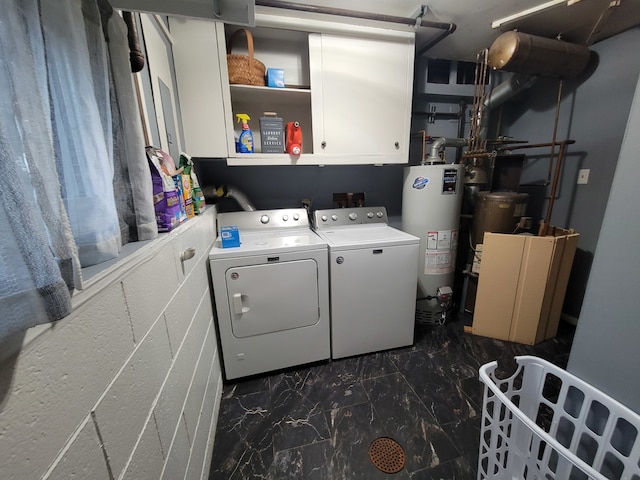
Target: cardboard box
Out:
[275,77]
[522,283]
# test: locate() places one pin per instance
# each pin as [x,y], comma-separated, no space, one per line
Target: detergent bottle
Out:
[245,140]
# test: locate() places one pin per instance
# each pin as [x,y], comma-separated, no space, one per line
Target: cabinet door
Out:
[361,96]
[204,102]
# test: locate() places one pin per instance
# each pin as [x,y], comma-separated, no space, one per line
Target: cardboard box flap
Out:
[497,285]
[532,304]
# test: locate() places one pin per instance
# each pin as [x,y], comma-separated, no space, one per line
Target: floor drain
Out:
[387,455]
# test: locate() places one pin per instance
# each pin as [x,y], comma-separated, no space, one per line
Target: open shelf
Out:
[268,95]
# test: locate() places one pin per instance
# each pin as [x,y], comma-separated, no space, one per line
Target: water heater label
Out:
[420,182]
[444,240]
[439,262]
[449,181]
[440,254]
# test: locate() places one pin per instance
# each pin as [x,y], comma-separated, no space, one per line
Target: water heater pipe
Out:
[515,84]
[439,144]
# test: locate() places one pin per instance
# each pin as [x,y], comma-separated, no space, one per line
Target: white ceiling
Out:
[582,21]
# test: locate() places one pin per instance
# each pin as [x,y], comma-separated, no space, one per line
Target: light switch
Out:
[583,176]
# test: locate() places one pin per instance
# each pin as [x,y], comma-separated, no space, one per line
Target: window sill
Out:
[99,277]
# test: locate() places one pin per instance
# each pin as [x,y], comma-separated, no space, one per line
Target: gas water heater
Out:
[431,203]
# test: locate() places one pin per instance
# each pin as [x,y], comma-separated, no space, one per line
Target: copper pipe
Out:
[535,145]
[555,130]
[479,94]
[554,187]
[499,140]
[477,153]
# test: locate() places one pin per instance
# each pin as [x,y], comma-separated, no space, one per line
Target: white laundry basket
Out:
[543,423]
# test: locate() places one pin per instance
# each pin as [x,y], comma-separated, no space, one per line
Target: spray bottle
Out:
[245,140]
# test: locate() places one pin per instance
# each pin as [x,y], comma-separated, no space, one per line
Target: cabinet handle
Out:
[187,254]
[323,144]
[397,144]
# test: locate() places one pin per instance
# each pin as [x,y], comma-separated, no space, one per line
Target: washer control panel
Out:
[336,217]
[279,218]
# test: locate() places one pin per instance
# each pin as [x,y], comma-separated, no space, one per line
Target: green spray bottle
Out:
[245,140]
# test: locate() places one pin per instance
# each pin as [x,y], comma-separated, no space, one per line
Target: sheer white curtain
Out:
[82,126]
[58,144]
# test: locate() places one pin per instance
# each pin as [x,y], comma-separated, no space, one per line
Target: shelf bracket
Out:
[418,14]
[216,9]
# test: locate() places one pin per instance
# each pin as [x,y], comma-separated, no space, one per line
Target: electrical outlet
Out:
[583,176]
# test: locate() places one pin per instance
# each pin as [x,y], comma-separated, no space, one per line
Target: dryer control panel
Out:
[262,219]
[349,216]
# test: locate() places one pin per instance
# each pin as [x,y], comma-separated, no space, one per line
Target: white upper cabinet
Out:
[349,87]
[239,12]
[361,89]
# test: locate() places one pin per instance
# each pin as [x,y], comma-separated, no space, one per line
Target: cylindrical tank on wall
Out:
[532,55]
[431,202]
[497,212]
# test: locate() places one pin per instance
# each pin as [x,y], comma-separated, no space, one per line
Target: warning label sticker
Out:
[439,262]
[442,240]
[440,253]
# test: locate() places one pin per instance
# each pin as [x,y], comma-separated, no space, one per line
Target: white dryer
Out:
[373,269]
[271,293]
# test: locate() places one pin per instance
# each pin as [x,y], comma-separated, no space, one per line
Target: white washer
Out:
[271,293]
[373,269]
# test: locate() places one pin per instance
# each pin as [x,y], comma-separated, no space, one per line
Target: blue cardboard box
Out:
[275,77]
[230,237]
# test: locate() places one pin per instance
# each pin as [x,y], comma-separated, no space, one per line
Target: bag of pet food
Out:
[165,194]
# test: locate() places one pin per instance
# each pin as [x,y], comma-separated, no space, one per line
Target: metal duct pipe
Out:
[503,92]
[232,192]
[238,196]
[439,144]
[448,28]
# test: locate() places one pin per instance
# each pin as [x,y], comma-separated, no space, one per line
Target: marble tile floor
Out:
[317,421]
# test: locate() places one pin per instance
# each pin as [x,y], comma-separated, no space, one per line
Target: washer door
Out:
[272,297]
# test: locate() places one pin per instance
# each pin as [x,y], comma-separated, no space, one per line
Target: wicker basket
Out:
[244,69]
